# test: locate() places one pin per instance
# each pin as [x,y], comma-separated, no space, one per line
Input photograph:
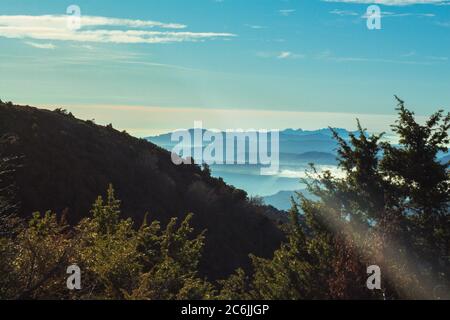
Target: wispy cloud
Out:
[444,24]
[328,56]
[344,12]
[436,58]
[384,14]
[409,54]
[48,46]
[284,55]
[286,12]
[394,2]
[53,27]
[390,14]
[254,26]
[280,55]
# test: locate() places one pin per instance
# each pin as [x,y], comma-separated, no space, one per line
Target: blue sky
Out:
[151,66]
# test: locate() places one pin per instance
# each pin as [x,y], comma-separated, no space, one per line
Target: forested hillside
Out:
[62,164]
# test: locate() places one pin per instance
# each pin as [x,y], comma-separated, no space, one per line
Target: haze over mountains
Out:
[298,148]
[292,141]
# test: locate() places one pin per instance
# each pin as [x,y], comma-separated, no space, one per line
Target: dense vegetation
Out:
[391,209]
[117,261]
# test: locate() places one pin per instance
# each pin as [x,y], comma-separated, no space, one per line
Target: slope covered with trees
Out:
[62,164]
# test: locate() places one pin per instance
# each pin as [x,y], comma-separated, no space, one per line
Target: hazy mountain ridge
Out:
[294,141]
[298,148]
[282,199]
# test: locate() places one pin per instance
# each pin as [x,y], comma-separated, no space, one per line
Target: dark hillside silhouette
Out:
[65,163]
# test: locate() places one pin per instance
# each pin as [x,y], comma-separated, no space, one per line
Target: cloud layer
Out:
[99,29]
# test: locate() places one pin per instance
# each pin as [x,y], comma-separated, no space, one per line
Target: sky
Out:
[150,66]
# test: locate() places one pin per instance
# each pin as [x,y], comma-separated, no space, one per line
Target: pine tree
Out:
[107,251]
[422,187]
[290,274]
[175,274]
[389,208]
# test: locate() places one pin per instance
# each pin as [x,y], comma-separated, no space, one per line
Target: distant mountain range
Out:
[282,200]
[291,141]
[298,148]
